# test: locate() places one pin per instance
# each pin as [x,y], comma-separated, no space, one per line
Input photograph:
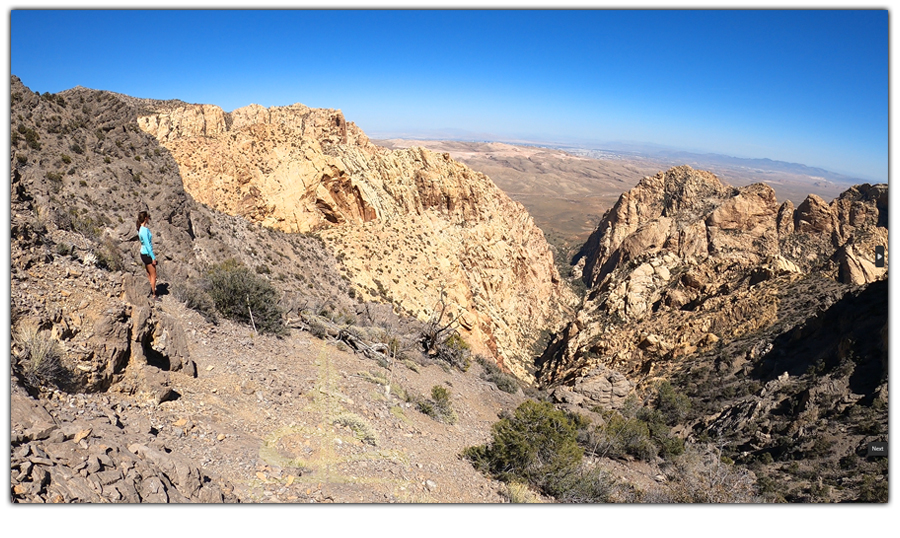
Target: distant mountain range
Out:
[759,164]
[665,154]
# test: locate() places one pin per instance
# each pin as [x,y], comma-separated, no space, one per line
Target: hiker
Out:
[147,255]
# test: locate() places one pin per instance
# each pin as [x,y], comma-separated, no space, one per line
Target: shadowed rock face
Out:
[408,225]
[683,263]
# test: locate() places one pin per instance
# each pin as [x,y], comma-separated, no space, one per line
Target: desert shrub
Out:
[39,359]
[660,433]
[377,377]
[66,159]
[84,225]
[195,299]
[439,407]
[619,436]
[537,445]
[673,405]
[454,351]
[584,485]
[361,429]
[22,159]
[493,374]
[109,257]
[242,296]
[518,493]
[873,491]
[63,249]
[318,329]
[701,476]
[31,137]
[638,431]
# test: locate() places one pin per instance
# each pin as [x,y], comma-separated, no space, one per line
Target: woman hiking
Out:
[147,255]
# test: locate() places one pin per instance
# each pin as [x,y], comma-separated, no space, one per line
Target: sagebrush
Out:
[239,294]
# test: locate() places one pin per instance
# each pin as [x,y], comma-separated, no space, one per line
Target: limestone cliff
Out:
[683,264]
[409,225]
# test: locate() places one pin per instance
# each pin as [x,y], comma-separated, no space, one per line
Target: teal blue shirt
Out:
[146,242]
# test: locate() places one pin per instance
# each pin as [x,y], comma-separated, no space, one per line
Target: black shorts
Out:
[146,259]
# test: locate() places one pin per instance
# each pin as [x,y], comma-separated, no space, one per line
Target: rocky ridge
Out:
[410,226]
[779,358]
[772,319]
[141,414]
[685,254]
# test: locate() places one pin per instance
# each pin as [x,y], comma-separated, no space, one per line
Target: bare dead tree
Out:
[440,326]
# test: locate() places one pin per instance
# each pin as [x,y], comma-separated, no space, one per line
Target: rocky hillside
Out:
[729,348]
[695,258]
[410,226]
[119,399]
[769,317]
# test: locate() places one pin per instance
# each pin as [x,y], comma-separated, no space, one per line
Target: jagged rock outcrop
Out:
[684,263]
[411,226]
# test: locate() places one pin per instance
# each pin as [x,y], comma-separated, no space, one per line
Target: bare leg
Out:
[151,271]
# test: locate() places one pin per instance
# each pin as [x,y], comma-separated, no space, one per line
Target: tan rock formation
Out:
[683,264]
[406,224]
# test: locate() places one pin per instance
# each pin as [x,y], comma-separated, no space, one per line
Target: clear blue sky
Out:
[799,86]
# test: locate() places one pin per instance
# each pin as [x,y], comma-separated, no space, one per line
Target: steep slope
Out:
[154,402]
[685,254]
[773,320]
[410,226]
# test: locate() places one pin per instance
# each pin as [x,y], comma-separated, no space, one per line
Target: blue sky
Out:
[799,86]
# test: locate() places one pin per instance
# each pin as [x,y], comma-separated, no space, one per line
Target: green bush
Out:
[31,137]
[196,299]
[621,436]
[873,491]
[585,485]
[239,295]
[454,351]
[439,406]
[660,433]
[538,444]
[66,159]
[673,405]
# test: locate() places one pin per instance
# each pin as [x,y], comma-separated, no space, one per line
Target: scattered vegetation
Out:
[493,374]
[360,427]
[195,298]
[39,359]
[538,445]
[242,296]
[439,406]
[440,340]
[703,475]
[641,432]
[518,493]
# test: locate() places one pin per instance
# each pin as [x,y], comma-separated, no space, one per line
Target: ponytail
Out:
[142,217]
